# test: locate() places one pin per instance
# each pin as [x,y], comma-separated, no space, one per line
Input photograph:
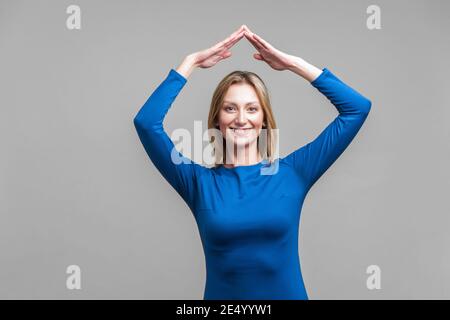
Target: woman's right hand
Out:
[209,57]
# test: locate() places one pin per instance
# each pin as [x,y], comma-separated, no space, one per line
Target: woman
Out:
[248,221]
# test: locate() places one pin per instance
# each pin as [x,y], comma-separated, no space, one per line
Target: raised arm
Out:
[156,142]
[178,170]
[313,159]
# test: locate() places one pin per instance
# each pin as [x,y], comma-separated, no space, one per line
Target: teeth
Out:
[240,131]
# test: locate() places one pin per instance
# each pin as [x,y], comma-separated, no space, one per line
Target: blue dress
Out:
[248,216]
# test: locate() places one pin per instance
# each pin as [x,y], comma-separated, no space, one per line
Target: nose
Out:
[241,118]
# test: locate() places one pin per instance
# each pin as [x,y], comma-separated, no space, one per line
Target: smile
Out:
[242,131]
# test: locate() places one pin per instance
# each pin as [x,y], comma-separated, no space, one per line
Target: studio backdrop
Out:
[84,214]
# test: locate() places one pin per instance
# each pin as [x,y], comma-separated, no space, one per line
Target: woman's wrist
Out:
[304,69]
[187,66]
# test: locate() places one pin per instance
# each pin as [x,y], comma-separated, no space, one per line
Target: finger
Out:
[247,29]
[255,43]
[235,40]
[226,54]
[242,27]
[257,56]
[234,34]
[216,48]
[264,43]
[238,36]
[230,41]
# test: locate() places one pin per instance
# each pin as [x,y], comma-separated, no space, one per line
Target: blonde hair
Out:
[247,77]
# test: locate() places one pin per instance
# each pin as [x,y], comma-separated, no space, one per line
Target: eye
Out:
[229,108]
[253,108]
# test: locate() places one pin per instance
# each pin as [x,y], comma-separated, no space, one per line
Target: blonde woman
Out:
[248,216]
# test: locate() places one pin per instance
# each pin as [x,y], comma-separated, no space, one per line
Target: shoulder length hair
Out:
[268,145]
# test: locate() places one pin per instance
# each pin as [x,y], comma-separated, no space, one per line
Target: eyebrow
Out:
[248,103]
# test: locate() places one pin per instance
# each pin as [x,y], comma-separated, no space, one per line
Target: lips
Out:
[241,131]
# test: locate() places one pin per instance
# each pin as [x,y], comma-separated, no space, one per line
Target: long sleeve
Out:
[314,158]
[158,145]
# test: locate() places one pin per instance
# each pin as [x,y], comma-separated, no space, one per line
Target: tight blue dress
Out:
[248,216]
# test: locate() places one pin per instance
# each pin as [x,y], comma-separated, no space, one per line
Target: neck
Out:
[242,156]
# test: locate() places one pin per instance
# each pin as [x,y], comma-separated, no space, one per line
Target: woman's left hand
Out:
[275,58]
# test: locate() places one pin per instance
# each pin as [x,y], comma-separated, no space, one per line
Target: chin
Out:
[241,142]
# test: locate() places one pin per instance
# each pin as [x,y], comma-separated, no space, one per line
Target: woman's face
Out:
[241,116]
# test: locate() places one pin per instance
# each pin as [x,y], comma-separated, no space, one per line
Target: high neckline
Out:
[244,167]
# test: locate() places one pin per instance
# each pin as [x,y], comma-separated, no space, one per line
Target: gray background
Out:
[78,188]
